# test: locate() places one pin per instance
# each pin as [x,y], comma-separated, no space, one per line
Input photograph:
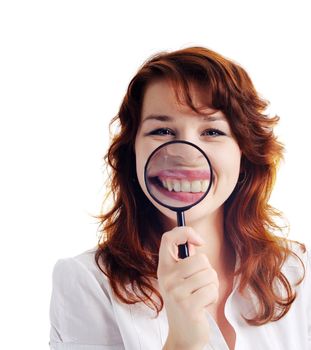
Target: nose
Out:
[186,154]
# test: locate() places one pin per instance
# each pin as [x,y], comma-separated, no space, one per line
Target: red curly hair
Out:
[130,232]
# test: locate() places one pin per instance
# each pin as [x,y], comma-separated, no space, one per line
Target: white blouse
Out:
[85,315]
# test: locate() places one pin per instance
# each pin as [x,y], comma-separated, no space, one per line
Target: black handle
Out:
[183,251]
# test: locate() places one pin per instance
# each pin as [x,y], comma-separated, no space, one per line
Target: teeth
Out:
[176,186]
[185,185]
[169,185]
[196,186]
[204,185]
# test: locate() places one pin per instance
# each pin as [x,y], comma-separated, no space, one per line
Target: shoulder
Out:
[81,307]
[79,269]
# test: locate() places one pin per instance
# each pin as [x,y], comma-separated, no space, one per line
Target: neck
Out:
[217,248]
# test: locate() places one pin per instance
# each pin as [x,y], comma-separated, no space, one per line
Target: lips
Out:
[183,185]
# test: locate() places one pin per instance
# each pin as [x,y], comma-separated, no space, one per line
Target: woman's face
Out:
[163,120]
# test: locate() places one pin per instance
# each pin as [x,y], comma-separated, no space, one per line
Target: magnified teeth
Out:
[169,185]
[204,185]
[176,186]
[185,185]
[196,186]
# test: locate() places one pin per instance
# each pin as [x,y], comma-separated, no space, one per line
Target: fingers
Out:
[203,297]
[191,265]
[195,292]
[194,283]
[183,269]
[170,240]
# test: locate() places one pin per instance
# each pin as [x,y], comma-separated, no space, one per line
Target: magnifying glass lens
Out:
[178,175]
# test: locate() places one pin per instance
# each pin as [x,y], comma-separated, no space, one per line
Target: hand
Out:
[187,286]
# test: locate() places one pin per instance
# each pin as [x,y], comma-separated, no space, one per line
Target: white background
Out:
[65,66]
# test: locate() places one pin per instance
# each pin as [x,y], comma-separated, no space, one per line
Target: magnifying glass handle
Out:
[183,251]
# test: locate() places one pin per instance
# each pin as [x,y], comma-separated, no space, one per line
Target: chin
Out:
[168,214]
[192,216]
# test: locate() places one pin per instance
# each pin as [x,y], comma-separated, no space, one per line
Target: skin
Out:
[204,280]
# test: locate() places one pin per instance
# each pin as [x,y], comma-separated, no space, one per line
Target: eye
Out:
[213,133]
[161,131]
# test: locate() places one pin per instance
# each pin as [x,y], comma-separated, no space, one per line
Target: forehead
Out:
[162,97]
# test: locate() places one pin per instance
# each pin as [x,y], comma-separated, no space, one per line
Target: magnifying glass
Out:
[178,175]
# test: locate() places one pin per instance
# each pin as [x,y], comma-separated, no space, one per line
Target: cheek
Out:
[140,163]
[139,166]
[227,164]
[233,164]
[141,158]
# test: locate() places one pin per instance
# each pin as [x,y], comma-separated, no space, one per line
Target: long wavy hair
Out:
[130,231]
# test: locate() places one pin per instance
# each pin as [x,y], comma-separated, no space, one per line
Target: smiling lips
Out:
[188,181]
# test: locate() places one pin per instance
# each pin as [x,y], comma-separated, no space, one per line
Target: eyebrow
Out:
[167,118]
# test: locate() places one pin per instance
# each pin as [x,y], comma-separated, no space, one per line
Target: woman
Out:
[243,286]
